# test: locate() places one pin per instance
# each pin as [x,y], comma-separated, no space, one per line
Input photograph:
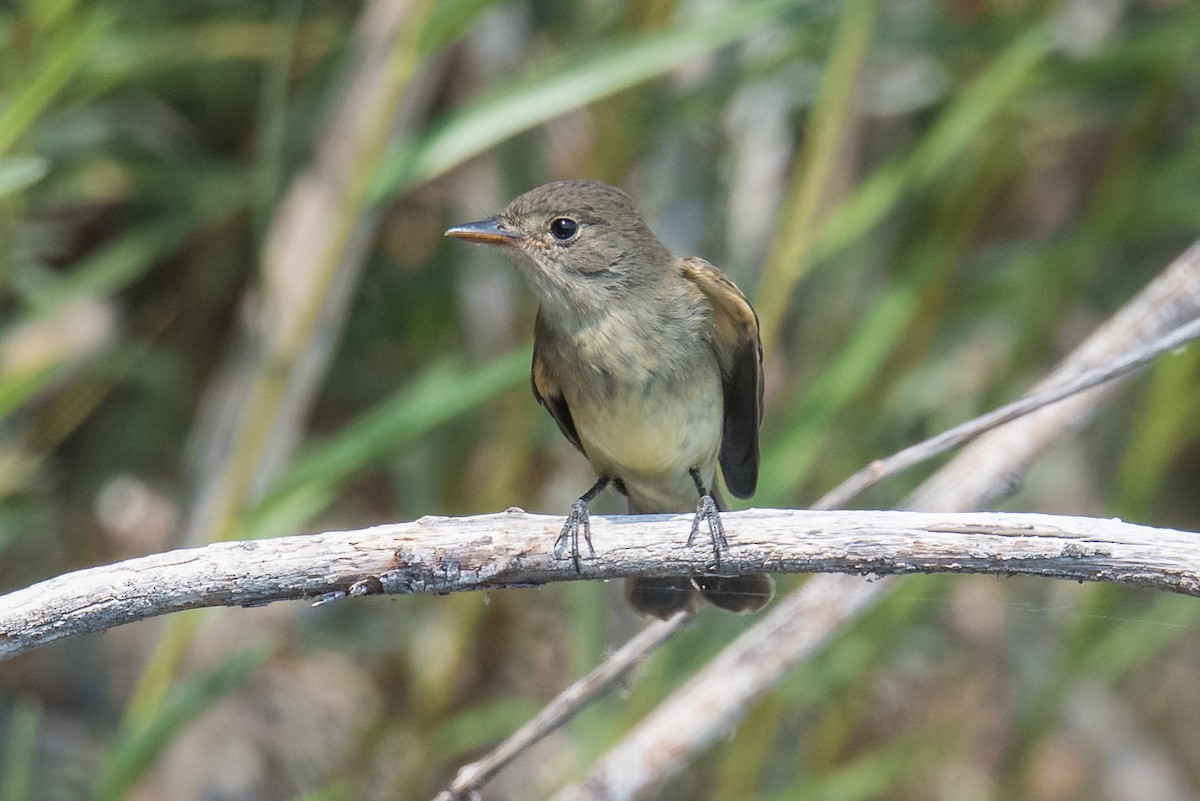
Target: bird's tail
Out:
[737,593]
[660,596]
[663,596]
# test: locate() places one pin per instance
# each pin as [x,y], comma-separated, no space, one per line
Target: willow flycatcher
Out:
[650,364]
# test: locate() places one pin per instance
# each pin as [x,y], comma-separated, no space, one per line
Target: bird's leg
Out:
[577,519]
[706,510]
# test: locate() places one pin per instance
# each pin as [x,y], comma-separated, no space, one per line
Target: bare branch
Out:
[514,549]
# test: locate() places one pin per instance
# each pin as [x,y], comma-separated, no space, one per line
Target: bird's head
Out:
[581,244]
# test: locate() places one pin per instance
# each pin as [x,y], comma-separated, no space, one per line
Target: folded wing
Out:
[736,342]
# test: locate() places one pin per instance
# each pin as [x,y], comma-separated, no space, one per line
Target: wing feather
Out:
[735,340]
[548,393]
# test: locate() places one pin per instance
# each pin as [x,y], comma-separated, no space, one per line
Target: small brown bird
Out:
[650,364]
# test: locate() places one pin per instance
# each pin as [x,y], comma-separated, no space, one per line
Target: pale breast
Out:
[647,409]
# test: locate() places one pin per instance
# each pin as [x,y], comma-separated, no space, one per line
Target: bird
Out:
[650,364]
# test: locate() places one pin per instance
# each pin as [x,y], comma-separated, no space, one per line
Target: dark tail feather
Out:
[660,597]
[737,593]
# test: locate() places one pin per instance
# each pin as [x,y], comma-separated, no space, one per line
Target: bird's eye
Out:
[563,228]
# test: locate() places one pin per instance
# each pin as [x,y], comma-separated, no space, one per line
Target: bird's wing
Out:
[735,340]
[549,394]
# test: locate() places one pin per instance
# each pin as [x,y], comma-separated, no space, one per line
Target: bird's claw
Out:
[569,537]
[706,511]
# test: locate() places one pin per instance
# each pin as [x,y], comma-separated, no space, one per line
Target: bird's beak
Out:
[488,232]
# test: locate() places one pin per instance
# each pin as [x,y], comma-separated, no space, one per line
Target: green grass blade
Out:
[446,391]
[67,52]
[1165,423]
[18,387]
[791,453]
[584,79]
[108,270]
[825,133]
[137,751]
[18,173]
[20,741]
[954,132]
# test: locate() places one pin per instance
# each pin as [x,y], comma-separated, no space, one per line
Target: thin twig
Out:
[952,438]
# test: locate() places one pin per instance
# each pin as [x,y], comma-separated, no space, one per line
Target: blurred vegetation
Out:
[929,202]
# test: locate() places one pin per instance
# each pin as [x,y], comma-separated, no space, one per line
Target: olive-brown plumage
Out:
[651,366]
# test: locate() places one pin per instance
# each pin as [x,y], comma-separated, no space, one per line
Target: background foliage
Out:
[928,202]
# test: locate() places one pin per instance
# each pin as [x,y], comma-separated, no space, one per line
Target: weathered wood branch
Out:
[514,549]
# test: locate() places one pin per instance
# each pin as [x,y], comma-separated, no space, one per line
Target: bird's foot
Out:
[568,540]
[706,511]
